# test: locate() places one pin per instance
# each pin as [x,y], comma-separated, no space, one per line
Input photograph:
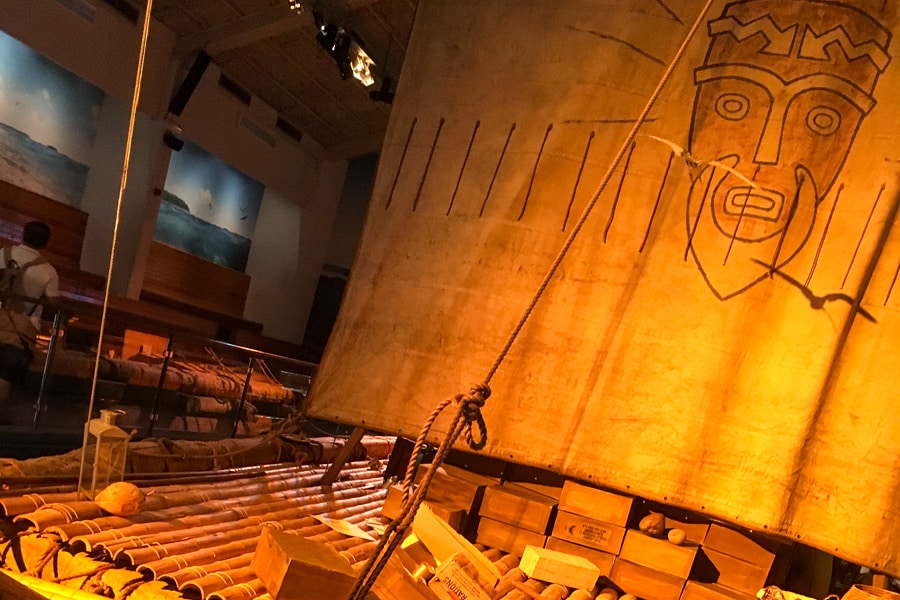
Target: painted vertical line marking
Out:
[862,236]
[462,169]
[893,283]
[662,186]
[815,263]
[437,134]
[737,225]
[587,149]
[537,161]
[612,212]
[412,128]
[794,204]
[497,169]
[696,224]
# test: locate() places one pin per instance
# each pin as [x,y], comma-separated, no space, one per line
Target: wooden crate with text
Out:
[588,532]
[695,590]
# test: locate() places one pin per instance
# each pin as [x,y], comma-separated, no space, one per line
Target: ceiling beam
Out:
[240,32]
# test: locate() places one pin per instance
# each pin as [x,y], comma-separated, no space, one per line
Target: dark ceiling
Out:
[271,51]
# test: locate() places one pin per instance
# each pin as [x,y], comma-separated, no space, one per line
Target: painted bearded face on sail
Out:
[780,98]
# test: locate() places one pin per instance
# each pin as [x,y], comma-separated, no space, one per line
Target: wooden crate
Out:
[588,532]
[453,515]
[506,537]
[452,485]
[518,507]
[645,582]
[602,560]
[695,533]
[659,554]
[595,503]
[550,491]
[295,568]
[755,549]
[395,583]
[736,573]
[695,590]
[553,566]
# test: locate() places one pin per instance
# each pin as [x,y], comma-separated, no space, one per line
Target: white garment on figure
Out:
[39,280]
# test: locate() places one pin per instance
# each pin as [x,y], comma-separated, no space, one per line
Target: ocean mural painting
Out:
[48,123]
[209,209]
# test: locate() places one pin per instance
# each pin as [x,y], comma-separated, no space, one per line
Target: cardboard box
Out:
[645,582]
[588,532]
[443,543]
[658,553]
[295,568]
[518,507]
[756,549]
[602,560]
[737,574]
[553,566]
[595,503]
[695,590]
[506,537]
[458,578]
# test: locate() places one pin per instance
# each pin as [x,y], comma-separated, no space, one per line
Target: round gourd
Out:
[121,499]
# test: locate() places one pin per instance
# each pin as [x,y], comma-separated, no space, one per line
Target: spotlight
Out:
[384,94]
[296,6]
[345,48]
[360,63]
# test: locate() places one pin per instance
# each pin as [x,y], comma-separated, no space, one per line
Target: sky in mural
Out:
[49,119]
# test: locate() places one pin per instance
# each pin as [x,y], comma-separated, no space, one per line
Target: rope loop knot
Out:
[470,408]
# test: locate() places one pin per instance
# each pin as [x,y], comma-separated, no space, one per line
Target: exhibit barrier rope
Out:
[468,406]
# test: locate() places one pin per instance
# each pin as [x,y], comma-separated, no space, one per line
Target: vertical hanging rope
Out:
[468,406]
[112,252]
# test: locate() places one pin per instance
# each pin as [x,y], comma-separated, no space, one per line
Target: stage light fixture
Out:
[296,6]
[360,63]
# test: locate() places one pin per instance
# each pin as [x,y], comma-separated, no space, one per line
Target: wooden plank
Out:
[506,537]
[588,532]
[645,582]
[554,566]
[443,543]
[518,507]
[737,574]
[179,277]
[696,590]
[550,491]
[752,548]
[602,560]
[659,554]
[343,456]
[10,589]
[595,503]
[295,568]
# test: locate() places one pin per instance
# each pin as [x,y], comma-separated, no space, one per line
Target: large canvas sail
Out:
[722,333]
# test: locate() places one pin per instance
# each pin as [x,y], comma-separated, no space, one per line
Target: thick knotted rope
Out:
[468,414]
